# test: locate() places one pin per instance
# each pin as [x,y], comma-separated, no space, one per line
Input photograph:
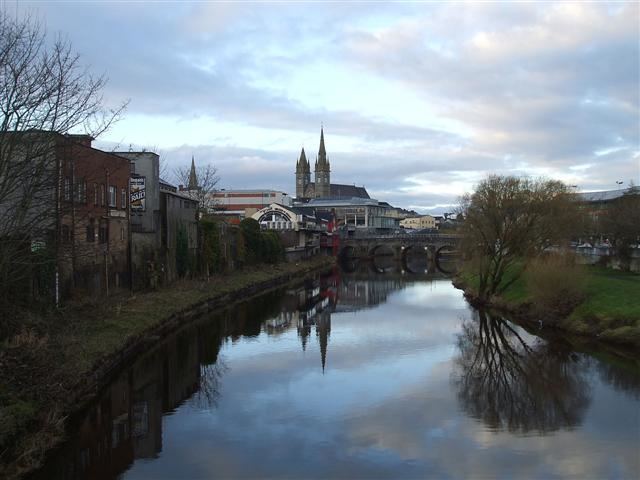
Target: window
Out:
[91,231]
[67,188]
[121,233]
[112,195]
[80,191]
[95,194]
[103,233]
[66,234]
[102,194]
[123,198]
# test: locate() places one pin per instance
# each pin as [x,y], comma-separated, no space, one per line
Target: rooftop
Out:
[603,196]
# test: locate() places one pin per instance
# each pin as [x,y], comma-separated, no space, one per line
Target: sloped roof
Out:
[340,190]
[602,196]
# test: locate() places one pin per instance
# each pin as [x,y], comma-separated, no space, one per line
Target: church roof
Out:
[339,190]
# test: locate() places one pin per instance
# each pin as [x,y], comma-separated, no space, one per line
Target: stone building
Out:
[322,186]
[419,223]
[160,218]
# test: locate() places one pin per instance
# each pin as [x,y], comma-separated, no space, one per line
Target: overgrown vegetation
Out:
[261,246]
[556,283]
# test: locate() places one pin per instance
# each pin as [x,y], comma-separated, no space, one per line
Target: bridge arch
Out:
[439,257]
[380,249]
[348,252]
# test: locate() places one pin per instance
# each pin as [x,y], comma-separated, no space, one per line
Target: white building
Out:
[244,203]
[419,223]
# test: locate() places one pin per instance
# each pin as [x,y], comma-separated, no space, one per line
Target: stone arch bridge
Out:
[434,245]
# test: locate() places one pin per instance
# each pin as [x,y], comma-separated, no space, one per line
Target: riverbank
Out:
[609,311]
[58,363]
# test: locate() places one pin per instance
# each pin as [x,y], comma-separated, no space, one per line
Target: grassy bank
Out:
[60,360]
[608,308]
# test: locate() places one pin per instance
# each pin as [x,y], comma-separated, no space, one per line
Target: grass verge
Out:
[609,309]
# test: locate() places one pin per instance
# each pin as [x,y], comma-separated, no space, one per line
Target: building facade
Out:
[244,203]
[161,219]
[357,213]
[419,223]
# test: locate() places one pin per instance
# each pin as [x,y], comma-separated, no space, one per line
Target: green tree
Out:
[509,220]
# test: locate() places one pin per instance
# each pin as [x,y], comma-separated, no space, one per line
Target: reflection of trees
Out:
[210,378]
[622,378]
[515,386]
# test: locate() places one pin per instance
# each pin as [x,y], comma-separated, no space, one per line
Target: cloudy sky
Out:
[419,100]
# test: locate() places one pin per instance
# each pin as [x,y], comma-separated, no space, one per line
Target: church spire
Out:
[322,171]
[193,179]
[322,153]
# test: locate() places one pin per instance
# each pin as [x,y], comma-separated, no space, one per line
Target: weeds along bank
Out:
[58,363]
[556,292]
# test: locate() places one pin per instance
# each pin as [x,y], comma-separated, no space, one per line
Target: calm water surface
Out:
[361,375]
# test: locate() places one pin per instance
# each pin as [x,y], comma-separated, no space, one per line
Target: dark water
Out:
[361,375]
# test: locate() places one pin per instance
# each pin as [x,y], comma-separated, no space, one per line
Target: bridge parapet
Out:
[398,244]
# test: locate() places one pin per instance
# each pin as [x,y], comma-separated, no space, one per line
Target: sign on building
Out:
[137,201]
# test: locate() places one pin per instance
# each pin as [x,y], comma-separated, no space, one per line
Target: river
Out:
[377,373]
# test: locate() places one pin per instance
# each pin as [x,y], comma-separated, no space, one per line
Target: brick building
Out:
[93,216]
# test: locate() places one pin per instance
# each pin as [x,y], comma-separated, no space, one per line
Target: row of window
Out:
[102,228]
[99,193]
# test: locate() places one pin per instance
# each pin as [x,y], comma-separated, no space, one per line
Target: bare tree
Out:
[206,181]
[45,92]
[621,223]
[509,220]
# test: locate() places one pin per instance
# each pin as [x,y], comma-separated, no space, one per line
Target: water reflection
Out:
[512,381]
[281,363]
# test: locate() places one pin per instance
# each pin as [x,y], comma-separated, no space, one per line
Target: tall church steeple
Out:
[303,174]
[193,179]
[322,171]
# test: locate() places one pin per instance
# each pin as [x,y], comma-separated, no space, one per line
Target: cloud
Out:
[414,97]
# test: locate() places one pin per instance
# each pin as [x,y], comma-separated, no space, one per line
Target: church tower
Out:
[193,178]
[323,171]
[303,175]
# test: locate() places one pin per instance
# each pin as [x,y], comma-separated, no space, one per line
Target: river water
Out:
[377,373]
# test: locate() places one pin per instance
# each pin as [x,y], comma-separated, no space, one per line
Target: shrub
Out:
[556,283]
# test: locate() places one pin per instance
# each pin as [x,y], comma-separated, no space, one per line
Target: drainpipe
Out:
[106,253]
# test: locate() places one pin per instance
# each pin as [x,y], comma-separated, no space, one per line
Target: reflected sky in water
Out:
[414,384]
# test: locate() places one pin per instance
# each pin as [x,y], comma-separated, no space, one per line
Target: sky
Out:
[419,100]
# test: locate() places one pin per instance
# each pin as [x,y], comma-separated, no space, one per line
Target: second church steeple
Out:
[322,171]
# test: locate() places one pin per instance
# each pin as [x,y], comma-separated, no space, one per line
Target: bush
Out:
[556,283]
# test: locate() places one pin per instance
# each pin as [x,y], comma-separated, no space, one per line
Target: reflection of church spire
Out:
[323,329]
[303,330]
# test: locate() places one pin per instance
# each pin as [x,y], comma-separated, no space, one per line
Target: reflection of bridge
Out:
[399,246]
